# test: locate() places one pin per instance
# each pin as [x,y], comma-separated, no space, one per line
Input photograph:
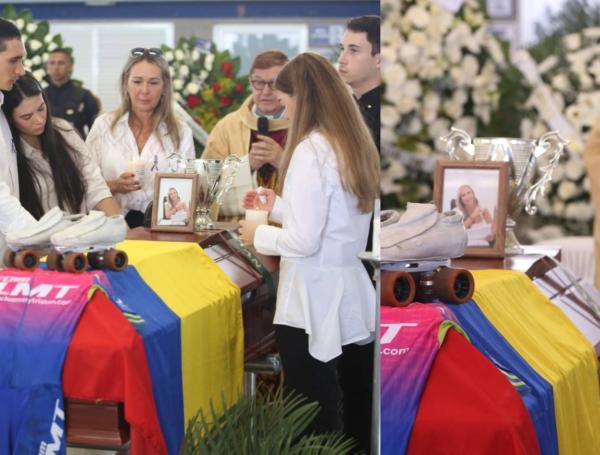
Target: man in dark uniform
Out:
[67,100]
[359,65]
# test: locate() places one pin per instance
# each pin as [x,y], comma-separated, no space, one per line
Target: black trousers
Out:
[345,380]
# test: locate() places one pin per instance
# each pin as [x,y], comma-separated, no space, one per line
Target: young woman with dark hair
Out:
[54,166]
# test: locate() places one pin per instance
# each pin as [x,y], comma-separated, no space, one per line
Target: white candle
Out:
[257,216]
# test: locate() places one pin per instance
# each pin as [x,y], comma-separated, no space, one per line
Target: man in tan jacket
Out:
[237,132]
[591,156]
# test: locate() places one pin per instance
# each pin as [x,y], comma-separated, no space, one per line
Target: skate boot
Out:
[27,245]
[94,235]
[416,249]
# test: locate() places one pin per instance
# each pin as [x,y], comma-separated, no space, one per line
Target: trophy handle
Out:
[550,142]
[230,166]
[456,140]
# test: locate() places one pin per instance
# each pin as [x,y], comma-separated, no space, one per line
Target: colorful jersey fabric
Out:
[468,407]
[160,331]
[553,346]
[536,392]
[38,312]
[410,339]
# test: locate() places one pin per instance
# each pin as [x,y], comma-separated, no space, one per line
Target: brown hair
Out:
[164,111]
[323,102]
[268,59]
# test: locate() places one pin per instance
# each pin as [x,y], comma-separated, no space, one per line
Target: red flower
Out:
[227,67]
[215,113]
[193,101]
[225,101]
[216,87]
[239,88]
[229,74]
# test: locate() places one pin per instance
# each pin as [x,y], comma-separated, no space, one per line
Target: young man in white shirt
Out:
[12,215]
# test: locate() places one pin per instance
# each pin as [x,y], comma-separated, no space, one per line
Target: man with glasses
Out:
[359,66]
[69,101]
[239,133]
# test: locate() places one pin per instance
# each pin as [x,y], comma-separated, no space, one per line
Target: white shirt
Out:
[8,155]
[115,149]
[96,187]
[323,287]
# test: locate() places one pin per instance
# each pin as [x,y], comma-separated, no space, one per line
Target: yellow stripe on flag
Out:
[553,346]
[208,304]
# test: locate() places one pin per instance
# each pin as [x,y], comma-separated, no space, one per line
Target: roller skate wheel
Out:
[397,288]
[74,262]
[53,260]
[454,285]
[26,260]
[116,260]
[9,258]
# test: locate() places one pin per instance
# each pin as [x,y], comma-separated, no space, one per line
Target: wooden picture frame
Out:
[487,181]
[180,190]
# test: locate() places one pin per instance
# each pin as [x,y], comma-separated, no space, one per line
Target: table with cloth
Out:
[510,327]
[166,341]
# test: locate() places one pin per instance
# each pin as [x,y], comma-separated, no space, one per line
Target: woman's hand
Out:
[252,199]
[247,231]
[126,183]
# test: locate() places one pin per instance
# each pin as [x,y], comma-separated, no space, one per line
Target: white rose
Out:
[561,83]
[458,76]
[179,55]
[34,45]
[470,67]
[574,169]
[184,71]
[559,171]
[495,50]
[393,75]
[48,38]
[592,33]
[431,106]
[417,38]
[543,205]
[36,60]
[573,114]
[389,116]
[572,41]
[192,88]
[39,74]
[27,64]
[177,84]
[468,124]
[195,55]
[171,71]
[567,190]
[208,62]
[414,126]
[407,104]
[45,57]
[31,27]
[412,88]
[52,46]
[484,112]
[408,53]
[44,84]
[20,23]
[388,136]
[581,211]
[203,75]
[453,109]
[418,16]
[453,53]
[169,56]
[438,128]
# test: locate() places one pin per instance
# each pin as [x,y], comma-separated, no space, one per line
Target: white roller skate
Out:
[416,249]
[27,245]
[94,235]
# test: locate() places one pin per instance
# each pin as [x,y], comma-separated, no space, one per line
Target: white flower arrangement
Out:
[440,69]
[574,82]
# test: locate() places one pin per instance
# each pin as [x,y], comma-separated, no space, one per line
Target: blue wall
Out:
[208,9]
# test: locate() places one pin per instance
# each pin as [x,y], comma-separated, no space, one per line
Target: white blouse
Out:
[115,151]
[96,188]
[323,287]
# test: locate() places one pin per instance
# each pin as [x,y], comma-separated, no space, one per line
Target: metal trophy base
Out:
[203,221]
[511,244]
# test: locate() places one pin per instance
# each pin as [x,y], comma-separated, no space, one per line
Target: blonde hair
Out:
[323,102]
[164,110]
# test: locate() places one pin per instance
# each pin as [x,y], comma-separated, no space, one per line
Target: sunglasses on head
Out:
[141,51]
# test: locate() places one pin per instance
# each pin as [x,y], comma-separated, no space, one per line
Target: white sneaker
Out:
[40,231]
[388,217]
[95,229]
[423,234]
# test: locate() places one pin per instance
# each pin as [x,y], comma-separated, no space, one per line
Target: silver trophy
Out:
[522,156]
[215,177]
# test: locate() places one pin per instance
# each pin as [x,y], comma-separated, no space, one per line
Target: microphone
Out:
[263,125]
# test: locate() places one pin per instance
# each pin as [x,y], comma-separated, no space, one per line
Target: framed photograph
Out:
[478,189]
[502,9]
[174,202]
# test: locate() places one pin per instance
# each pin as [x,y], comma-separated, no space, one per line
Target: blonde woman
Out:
[330,179]
[140,138]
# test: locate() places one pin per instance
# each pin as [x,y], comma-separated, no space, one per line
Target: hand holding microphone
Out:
[266,150]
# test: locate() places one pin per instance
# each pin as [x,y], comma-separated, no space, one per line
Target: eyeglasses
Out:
[141,51]
[259,84]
